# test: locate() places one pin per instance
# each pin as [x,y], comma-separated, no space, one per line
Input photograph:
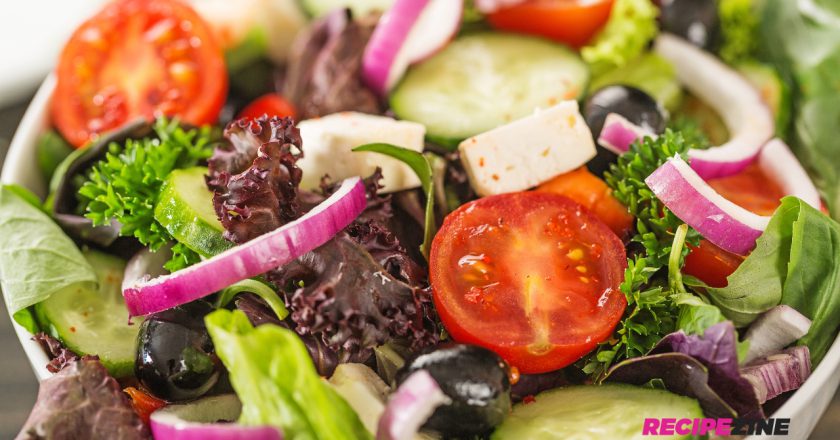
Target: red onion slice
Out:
[410,406]
[779,373]
[409,32]
[778,162]
[382,65]
[250,259]
[619,133]
[745,114]
[774,330]
[200,420]
[720,221]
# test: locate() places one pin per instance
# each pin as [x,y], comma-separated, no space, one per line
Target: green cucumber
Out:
[774,91]
[615,412]
[185,209]
[92,321]
[484,80]
[360,8]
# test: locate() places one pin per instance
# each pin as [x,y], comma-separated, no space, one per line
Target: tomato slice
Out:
[573,22]
[593,193]
[750,189]
[532,276]
[270,104]
[143,403]
[138,58]
[711,264]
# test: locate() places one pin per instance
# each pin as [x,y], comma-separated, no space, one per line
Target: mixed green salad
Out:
[400,219]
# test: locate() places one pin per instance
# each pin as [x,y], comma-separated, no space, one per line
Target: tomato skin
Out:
[144,404]
[271,104]
[532,276]
[573,22]
[711,264]
[138,58]
[593,194]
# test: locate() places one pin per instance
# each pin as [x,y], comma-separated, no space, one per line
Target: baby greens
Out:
[36,258]
[276,381]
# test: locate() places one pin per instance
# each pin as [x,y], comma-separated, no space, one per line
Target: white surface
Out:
[804,409]
[529,151]
[330,139]
[32,33]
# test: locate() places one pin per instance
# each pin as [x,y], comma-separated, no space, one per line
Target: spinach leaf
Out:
[36,258]
[795,263]
[421,165]
[276,381]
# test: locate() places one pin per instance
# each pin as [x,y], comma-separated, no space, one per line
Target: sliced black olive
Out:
[695,20]
[175,356]
[635,105]
[474,378]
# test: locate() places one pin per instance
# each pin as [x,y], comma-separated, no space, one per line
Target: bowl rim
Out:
[16,169]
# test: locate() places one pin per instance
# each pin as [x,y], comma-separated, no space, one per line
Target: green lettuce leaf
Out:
[631,26]
[739,27]
[36,258]
[275,379]
[796,262]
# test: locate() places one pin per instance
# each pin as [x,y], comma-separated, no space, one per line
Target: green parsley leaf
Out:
[125,185]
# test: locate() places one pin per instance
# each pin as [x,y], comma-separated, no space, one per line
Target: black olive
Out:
[695,20]
[175,357]
[635,105]
[474,378]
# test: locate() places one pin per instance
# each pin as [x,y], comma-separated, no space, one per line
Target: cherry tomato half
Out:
[593,193]
[532,276]
[711,264]
[270,104]
[573,22]
[138,58]
[750,189]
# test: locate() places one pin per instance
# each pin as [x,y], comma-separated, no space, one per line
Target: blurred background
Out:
[31,36]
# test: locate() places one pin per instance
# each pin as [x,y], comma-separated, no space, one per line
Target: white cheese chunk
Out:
[328,141]
[528,151]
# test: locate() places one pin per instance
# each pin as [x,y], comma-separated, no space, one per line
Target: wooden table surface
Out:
[18,386]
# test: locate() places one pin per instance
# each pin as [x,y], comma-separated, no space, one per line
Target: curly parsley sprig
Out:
[125,184]
[652,310]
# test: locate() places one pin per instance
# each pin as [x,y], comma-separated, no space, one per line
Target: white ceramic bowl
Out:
[804,409]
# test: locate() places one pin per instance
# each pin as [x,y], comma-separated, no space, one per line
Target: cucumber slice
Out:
[185,209]
[615,412]
[481,81]
[360,8]
[94,321]
[774,91]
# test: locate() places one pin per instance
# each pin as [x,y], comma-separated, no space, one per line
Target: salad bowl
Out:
[804,408]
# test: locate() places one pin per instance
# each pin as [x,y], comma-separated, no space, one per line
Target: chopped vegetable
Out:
[276,381]
[739,20]
[281,245]
[83,401]
[593,194]
[572,22]
[207,419]
[778,373]
[270,104]
[36,258]
[324,73]
[126,184]
[175,69]
[774,330]
[747,117]
[258,288]
[409,407]
[363,390]
[619,133]
[650,73]
[632,25]
[144,404]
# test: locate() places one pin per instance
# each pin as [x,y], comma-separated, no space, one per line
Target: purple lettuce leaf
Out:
[59,355]
[716,349]
[255,178]
[325,65]
[83,401]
